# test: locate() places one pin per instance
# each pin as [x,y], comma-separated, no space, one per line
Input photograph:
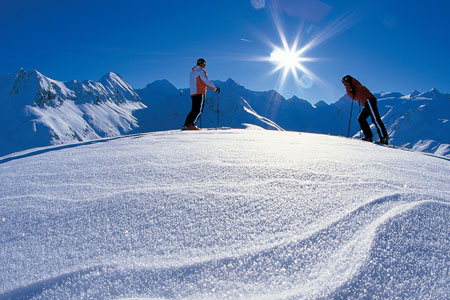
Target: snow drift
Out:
[224,214]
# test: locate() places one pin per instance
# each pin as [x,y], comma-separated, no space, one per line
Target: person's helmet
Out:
[200,61]
[346,78]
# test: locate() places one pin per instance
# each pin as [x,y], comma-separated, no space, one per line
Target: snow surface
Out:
[224,214]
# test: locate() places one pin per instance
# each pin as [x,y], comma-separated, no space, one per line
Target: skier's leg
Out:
[195,111]
[200,109]
[362,119]
[374,122]
[376,113]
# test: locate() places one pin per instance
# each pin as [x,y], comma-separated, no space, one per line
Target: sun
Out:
[287,59]
[290,58]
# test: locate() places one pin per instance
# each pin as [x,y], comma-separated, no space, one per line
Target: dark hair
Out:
[346,78]
[200,61]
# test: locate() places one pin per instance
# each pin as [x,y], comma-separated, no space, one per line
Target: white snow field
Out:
[224,214]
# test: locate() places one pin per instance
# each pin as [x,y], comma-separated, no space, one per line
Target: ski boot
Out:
[190,127]
[384,140]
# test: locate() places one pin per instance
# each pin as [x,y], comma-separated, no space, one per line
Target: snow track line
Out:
[400,148]
[37,151]
[36,288]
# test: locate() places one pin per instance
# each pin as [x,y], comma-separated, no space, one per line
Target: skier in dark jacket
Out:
[357,91]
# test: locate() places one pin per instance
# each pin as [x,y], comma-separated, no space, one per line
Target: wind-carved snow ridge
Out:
[225,214]
[345,251]
[405,248]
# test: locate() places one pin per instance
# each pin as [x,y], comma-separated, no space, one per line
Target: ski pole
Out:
[350,119]
[217,110]
[359,105]
[201,110]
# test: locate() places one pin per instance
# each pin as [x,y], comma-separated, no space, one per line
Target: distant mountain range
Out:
[38,111]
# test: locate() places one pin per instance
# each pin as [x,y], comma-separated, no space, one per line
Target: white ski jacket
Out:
[199,81]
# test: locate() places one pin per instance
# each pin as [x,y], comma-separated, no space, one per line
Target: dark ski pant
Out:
[197,108]
[371,109]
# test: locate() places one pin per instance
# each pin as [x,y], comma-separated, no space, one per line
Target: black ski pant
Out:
[197,108]
[371,109]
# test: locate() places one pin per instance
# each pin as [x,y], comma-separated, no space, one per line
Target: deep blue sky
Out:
[388,45]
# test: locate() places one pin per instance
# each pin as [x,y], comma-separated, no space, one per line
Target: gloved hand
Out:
[217,90]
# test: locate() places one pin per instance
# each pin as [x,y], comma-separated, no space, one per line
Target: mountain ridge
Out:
[39,111]
[48,111]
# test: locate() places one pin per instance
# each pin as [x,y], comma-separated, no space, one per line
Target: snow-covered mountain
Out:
[224,214]
[167,107]
[38,111]
[420,121]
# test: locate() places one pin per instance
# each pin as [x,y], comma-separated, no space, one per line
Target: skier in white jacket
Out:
[198,82]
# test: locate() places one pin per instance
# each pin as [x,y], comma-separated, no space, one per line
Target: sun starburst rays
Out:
[289,60]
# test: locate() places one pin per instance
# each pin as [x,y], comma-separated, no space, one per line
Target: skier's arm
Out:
[350,89]
[206,81]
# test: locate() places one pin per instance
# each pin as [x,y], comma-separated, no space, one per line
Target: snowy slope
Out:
[227,214]
[39,111]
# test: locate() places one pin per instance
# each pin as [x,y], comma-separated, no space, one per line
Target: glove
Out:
[217,90]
